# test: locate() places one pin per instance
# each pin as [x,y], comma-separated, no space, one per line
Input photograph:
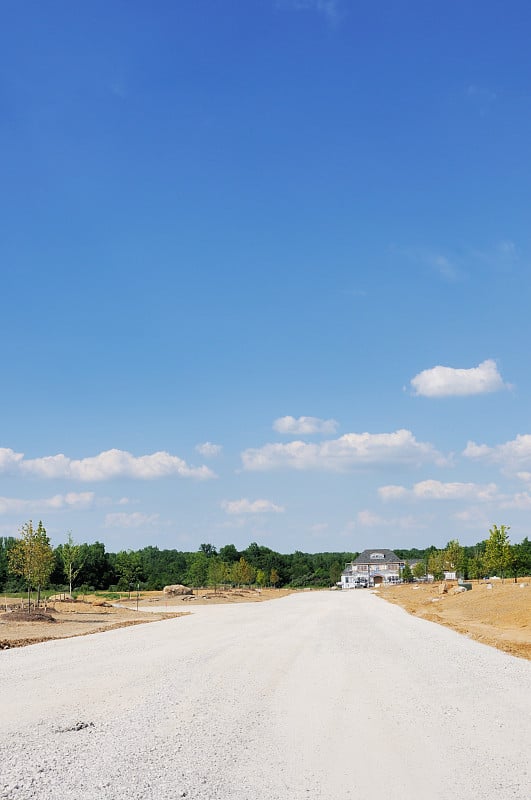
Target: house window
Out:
[377,555]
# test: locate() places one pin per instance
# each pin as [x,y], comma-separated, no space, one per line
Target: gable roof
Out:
[367,557]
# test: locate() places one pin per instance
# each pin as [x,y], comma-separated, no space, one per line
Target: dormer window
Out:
[377,555]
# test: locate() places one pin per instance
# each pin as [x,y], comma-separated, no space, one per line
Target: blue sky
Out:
[296,230]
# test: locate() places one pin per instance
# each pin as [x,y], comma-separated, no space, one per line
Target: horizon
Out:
[265,274]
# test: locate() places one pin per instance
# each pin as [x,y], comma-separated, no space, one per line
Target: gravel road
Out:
[317,695]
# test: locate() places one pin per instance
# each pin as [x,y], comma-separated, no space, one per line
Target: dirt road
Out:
[317,695]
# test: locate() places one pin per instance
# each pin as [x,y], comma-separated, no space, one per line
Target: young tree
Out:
[71,558]
[242,572]
[436,564]
[261,578]
[217,571]
[454,557]
[419,570]
[274,577]
[129,569]
[32,558]
[45,559]
[497,556]
[406,574]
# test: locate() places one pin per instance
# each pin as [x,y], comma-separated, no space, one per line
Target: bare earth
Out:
[317,695]
[499,616]
[94,615]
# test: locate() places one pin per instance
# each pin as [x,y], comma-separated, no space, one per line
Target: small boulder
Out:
[176,590]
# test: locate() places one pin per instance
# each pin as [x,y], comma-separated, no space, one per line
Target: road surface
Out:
[317,695]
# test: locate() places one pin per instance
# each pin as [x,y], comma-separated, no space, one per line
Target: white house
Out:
[371,568]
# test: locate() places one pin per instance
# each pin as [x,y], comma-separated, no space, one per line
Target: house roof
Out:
[377,556]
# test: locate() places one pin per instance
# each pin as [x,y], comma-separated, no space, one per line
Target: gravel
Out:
[315,695]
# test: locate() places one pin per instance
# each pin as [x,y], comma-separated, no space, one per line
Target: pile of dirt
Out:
[23,616]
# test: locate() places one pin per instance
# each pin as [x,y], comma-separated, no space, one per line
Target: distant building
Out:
[371,568]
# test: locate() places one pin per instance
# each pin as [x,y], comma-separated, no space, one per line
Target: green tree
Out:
[32,558]
[406,574]
[261,578]
[476,566]
[229,553]
[217,572]
[242,572]
[198,569]
[419,570]
[436,562]
[129,569]
[274,577]
[521,558]
[335,572]
[45,559]
[497,556]
[454,557]
[71,559]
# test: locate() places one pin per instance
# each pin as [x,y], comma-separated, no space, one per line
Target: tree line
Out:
[88,566]
[29,562]
[492,556]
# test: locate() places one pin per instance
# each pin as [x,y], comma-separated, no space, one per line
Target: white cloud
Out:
[245,506]
[474,518]
[391,493]
[449,382]
[367,519]
[9,460]
[350,450]
[304,425]
[437,490]
[106,465]
[521,500]
[512,455]
[72,500]
[136,519]
[209,450]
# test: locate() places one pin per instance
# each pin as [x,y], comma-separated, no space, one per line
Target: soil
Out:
[63,619]
[499,616]
[208,596]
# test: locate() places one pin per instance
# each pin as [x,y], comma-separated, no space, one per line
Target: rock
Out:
[443,588]
[177,589]
[523,585]
[457,590]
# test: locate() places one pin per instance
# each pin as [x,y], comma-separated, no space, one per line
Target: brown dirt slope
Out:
[499,616]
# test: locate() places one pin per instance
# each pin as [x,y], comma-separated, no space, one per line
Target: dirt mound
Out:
[23,616]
